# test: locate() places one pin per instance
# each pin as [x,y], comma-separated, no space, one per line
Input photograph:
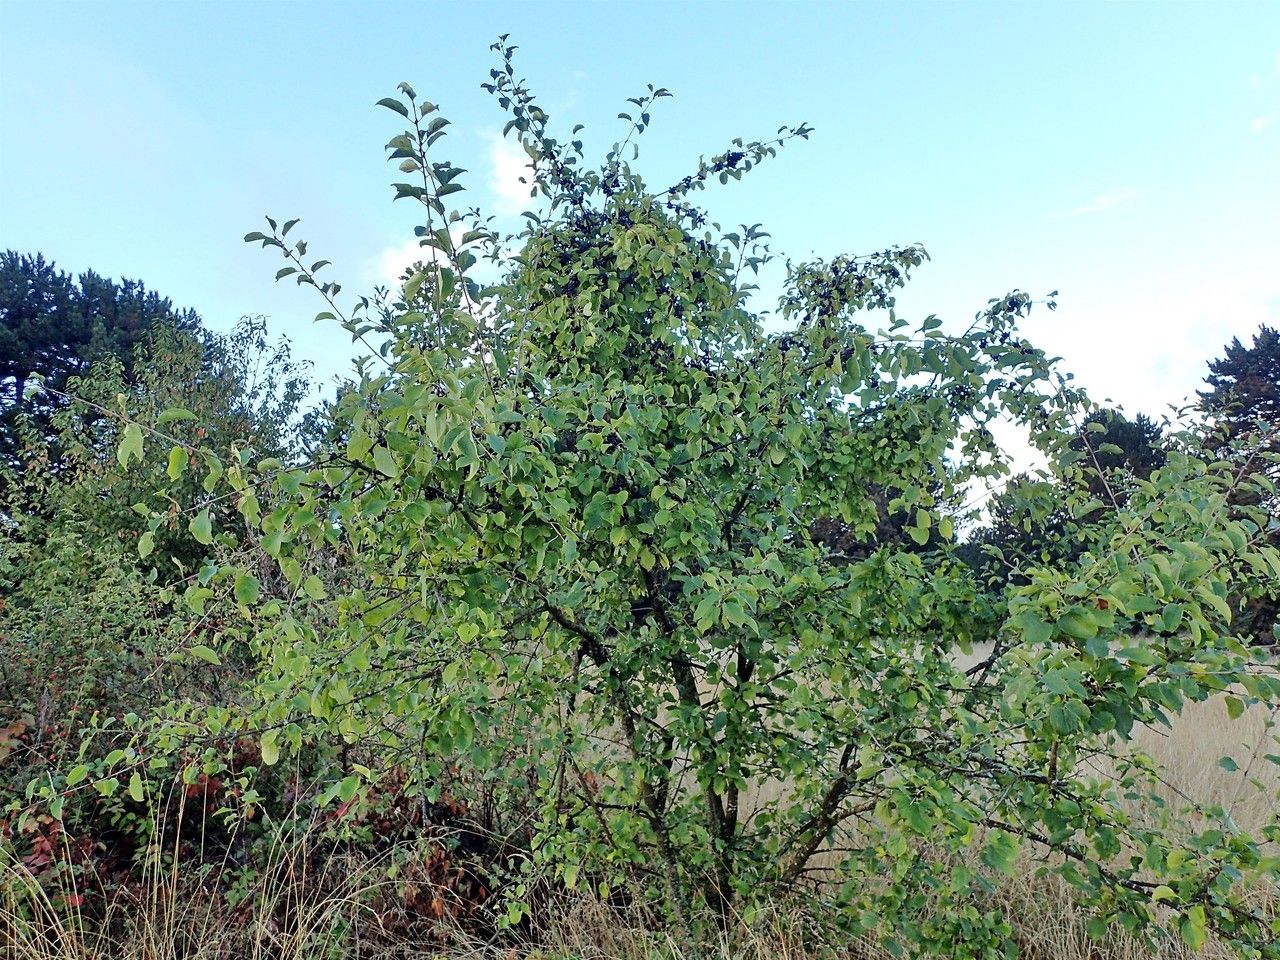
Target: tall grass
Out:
[314,901]
[288,910]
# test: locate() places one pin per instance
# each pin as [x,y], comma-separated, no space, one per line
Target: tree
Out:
[88,623]
[1028,525]
[33,294]
[55,326]
[1115,446]
[1029,520]
[234,389]
[1246,383]
[581,503]
[1243,405]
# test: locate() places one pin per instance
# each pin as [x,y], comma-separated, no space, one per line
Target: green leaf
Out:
[396,105]
[1036,631]
[919,534]
[201,527]
[177,462]
[707,611]
[146,544]
[270,746]
[130,445]
[1235,707]
[1059,682]
[1078,624]
[358,445]
[385,462]
[1195,928]
[1064,717]
[207,654]
[214,474]
[77,774]
[196,598]
[247,589]
[1001,851]
[413,285]
[348,787]
[136,789]
[313,587]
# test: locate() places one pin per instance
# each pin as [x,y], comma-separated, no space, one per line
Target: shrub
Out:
[579,506]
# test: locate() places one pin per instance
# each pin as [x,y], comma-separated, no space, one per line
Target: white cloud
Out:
[508,165]
[388,267]
[1258,124]
[1147,348]
[1110,346]
[390,264]
[1104,202]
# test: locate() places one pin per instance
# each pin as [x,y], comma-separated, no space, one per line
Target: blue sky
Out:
[1126,155]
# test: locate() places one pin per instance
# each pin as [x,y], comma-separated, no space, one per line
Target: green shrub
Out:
[576,507]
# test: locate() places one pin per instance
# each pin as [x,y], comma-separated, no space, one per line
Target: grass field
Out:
[173,920]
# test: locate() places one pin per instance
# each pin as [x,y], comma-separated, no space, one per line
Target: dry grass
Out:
[328,918]
[168,917]
[306,900]
[1048,924]
[1188,756]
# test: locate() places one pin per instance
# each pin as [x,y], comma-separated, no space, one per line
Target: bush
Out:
[580,507]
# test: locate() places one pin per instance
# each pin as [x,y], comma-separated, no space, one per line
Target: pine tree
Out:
[54,325]
[1029,522]
[1245,394]
[1112,442]
[39,321]
[1244,403]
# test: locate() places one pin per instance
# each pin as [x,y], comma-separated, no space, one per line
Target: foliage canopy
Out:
[578,507]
